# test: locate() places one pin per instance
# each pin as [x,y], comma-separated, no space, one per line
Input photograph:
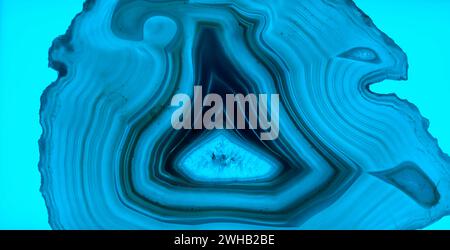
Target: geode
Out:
[345,158]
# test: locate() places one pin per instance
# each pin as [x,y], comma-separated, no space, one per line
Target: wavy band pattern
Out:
[346,158]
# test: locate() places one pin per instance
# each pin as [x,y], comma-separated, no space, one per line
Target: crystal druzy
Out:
[345,158]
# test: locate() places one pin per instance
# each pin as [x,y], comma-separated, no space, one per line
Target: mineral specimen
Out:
[345,158]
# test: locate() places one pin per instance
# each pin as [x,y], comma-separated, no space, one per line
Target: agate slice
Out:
[345,158]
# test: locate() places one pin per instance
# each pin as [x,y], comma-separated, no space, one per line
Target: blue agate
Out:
[345,157]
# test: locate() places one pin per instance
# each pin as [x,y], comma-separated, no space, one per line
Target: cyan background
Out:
[27,28]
